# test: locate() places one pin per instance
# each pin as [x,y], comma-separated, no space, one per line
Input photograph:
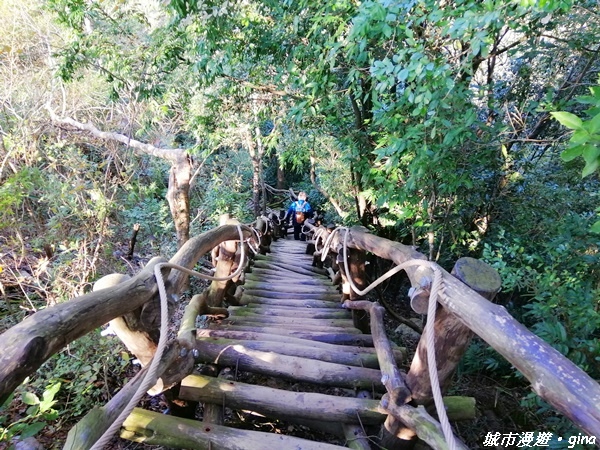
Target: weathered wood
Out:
[304,269]
[391,377]
[307,350]
[263,335]
[358,275]
[288,274]
[289,367]
[308,322]
[301,302]
[356,438]
[289,324]
[393,435]
[157,429]
[197,306]
[140,341]
[281,404]
[300,281]
[265,293]
[27,345]
[292,288]
[191,252]
[458,408]
[426,427]
[552,376]
[452,336]
[345,338]
[226,260]
[213,411]
[299,311]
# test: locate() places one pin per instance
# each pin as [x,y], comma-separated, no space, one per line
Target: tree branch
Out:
[170,154]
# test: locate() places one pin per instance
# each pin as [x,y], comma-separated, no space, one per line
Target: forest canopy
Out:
[464,128]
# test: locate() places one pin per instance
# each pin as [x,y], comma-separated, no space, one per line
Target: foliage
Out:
[558,277]
[37,415]
[69,383]
[585,140]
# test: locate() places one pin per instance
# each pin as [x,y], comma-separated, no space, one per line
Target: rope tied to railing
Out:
[435,291]
[151,375]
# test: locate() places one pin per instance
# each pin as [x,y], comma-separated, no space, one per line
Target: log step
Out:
[292,368]
[279,403]
[170,431]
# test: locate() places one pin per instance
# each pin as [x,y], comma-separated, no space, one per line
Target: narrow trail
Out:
[297,341]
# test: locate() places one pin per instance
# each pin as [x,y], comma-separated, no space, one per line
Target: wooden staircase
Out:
[301,361]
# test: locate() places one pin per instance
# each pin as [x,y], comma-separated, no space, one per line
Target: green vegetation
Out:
[430,123]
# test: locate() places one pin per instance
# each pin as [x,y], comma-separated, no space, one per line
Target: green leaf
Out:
[30,399]
[32,429]
[571,153]
[568,120]
[403,74]
[596,227]
[590,168]
[590,152]
[580,137]
[593,125]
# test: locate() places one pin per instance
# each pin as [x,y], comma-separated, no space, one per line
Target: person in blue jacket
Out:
[299,211]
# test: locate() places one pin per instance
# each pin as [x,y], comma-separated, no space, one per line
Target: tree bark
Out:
[178,196]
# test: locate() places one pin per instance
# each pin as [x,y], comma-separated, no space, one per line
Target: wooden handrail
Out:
[27,345]
[553,377]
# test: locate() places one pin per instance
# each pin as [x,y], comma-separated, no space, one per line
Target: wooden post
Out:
[225,259]
[139,337]
[394,435]
[356,267]
[213,412]
[452,337]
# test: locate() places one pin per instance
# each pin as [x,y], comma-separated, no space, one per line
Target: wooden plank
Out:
[289,320]
[365,340]
[282,404]
[250,300]
[264,336]
[300,311]
[299,325]
[289,367]
[333,296]
[300,268]
[307,350]
[290,287]
[299,280]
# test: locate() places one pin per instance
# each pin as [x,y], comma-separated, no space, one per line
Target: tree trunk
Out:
[178,196]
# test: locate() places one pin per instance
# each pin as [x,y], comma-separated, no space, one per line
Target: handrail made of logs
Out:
[553,377]
[27,345]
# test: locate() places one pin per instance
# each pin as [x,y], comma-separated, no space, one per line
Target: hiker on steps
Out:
[299,211]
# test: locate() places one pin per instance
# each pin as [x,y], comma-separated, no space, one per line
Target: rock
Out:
[29,443]
[407,332]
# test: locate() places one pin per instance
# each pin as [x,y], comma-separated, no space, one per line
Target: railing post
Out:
[451,337]
[356,267]
[225,255]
